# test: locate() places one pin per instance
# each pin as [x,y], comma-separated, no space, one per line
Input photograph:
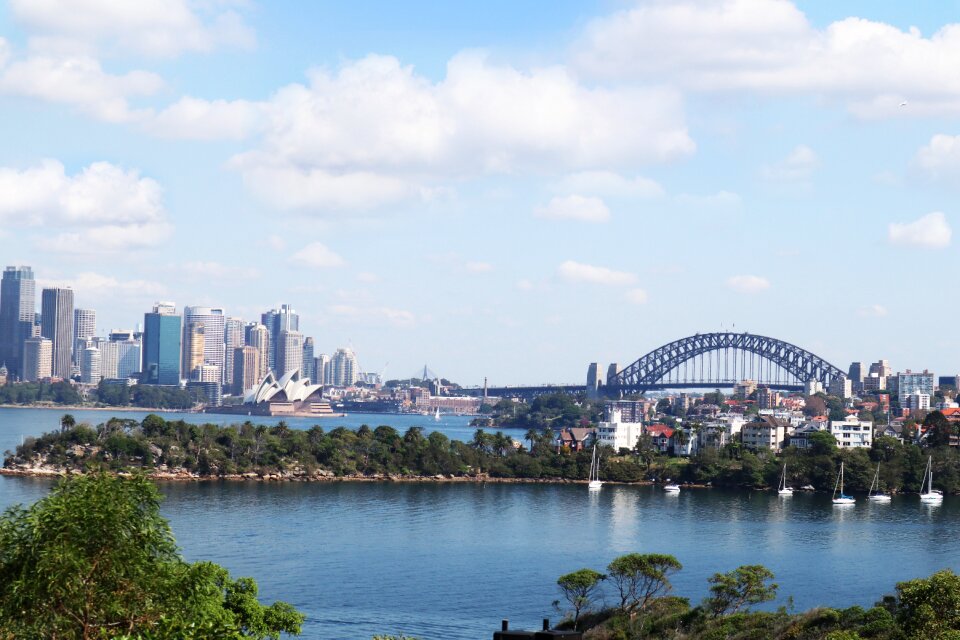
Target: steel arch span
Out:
[653,369]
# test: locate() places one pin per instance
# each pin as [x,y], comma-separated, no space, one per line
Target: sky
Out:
[508,190]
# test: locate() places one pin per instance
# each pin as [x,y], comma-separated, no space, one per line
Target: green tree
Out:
[95,559]
[641,577]
[929,608]
[744,586]
[579,589]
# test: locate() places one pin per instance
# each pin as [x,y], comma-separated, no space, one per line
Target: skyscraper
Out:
[161,345]
[344,368]
[233,338]
[277,321]
[246,369]
[37,358]
[323,369]
[17,309]
[258,336]
[90,362]
[289,352]
[84,328]
[309,369]
[56,323]
[214,322]
[194,343]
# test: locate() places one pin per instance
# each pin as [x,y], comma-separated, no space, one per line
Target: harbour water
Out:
[451,560]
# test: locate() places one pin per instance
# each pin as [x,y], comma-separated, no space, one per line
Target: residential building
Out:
[617,432]
[17,316]
[258,337]
[765,432]
[856,372]
[909,383]
[161,345]
[630,410]
[661,437]
[309,362]
[84,328]
[233,339]
[767,398]
[812,387]
[207,373]
[56,323]
[37,358]
[744,389]
[841,387]
[800,438]
[90,361]
[917,401]
[194,345]
[874,382]
[214,326]
[290,353]
[575,438]
[246,369]
[949,381]
[852,433]
[344,368]
[881,368]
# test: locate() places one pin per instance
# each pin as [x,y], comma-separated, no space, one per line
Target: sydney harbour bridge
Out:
[701,361]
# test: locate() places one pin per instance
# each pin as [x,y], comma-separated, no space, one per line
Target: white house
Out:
[766,432]
[618,434]
[852,433]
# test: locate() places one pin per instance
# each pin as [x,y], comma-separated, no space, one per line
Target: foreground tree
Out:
[930,607]
[641,577]
[96,559]
[744,586]
[579,589]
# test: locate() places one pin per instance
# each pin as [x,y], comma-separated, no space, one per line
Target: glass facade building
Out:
[161,348]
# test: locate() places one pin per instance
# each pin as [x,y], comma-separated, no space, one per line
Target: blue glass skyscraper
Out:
[162,331]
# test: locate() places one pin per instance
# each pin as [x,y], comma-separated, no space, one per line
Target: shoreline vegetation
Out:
[176,450]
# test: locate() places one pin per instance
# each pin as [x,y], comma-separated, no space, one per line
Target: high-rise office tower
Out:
[246,369]
[277,321]
[161,345]
[194,344]
[37,358]
[56,314]
[84,328]
[323,369]
[233,338]
[90,363]
[289,352]
[17,314]
[258,336]
[120,359]
[309,369]
[214,322]
[344,368]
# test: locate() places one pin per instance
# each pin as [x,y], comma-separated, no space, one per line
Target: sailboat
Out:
[436,416]
[783,489]
[879,496]
[841,498]
[594,482]
[931,496]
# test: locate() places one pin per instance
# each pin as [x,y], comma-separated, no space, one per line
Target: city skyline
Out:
[497,191]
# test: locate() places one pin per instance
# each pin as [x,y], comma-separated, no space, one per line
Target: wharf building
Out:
[56,323]
[17,316]
[37,359]
[161,345]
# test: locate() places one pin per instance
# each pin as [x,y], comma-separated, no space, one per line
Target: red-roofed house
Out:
[661,435]
[575,438]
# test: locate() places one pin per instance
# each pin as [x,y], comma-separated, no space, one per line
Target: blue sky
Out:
[503,189]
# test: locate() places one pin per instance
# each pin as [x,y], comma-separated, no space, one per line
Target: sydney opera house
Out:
[291,395]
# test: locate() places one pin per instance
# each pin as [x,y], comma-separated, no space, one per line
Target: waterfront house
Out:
[852,433]
[617,432]
[575,438]
[661,435]
[765,432]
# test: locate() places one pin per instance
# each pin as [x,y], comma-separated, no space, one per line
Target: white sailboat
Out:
[594,483]
[783,489]
[879,496]
[931,495]
[841,497]
[436,416]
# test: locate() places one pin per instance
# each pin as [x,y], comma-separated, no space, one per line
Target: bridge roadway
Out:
[610,392]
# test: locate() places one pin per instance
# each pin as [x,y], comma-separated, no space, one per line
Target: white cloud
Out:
[81,82]
[636,296]
[798,166]
[940,158]
[478,267]
[374,315]
[151,27]
[718,200]
[96,286]
[374,132]
[931,231]
[609,183]
[748,284]
[102,208]
[317,256]
[367,277]
[217,271]
[197,119]
[578,272]
[770,47]
[574,207]
[873,311]
[524,285]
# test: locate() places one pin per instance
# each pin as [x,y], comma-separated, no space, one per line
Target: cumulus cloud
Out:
[610,183]
[940,158]
[770,47]
[873,311]
[97,286]
[374,132]
[798,166]
[316,255]
[103,207]
[636,296]
[748,284]
[150,27]
[197,119]
[931,231]
[478,267]
[217,271]
[374,315]
[585,273]
[718,200]
[574,207]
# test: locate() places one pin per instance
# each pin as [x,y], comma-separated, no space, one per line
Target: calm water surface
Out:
[449,561]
